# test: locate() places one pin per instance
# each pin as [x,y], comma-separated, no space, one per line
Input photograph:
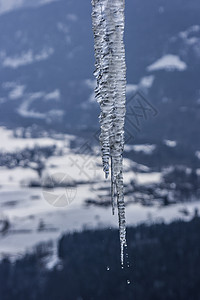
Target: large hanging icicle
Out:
[108,28]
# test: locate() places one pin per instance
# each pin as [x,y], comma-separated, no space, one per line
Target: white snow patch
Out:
[147,81]
[78,166]
[9,143]
[168,62]
[55,114]
[188,36]
[170,143]
[55,95]
[26,58]
[146,148]
[15,177]
[63,27]
[197,154]
[92,98]
[90,83]
[148,178]
[53,260]
[192,29]
[192,41]
[16,61]
[24,110]
[44,54]
[130,165]
[17,92]
[131,88]
[9,5]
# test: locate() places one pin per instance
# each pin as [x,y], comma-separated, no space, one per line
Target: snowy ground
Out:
[33,218]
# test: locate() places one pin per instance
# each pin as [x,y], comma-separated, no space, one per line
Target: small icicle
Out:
[108,27]
[121,214]
[113,186]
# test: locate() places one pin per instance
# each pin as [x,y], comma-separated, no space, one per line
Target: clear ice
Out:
[110,72]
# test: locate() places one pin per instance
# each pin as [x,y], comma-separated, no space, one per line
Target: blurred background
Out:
[58,238]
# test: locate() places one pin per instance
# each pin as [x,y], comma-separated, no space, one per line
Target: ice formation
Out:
[108,28]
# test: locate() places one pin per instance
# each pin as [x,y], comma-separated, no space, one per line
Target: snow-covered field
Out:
[34,218]
[9,143]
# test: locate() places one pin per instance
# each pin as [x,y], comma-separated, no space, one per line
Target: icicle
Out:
[113,183]
[108,28]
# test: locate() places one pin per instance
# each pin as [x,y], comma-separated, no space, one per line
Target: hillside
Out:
[46,65]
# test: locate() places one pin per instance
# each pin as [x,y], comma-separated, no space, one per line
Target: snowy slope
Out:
[50,48]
